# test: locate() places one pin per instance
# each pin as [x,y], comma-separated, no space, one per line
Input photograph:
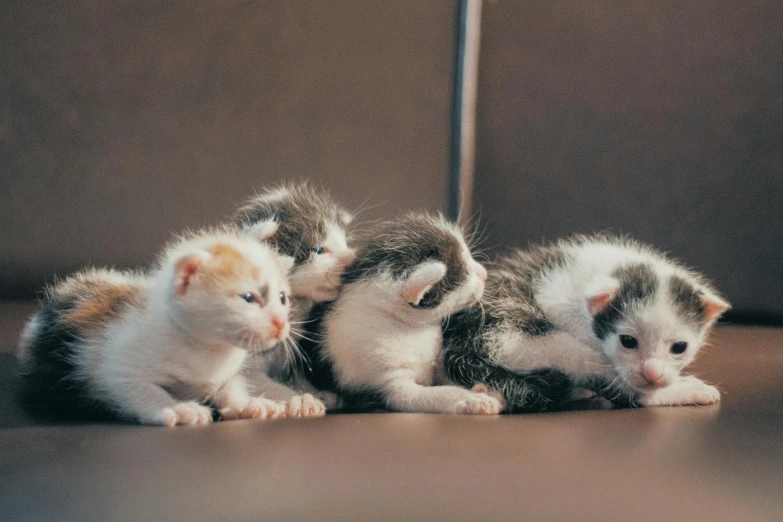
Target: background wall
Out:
[659,119]
[123,121]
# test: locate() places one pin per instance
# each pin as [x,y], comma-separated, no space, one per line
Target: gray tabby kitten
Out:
[307,225]
[592,313]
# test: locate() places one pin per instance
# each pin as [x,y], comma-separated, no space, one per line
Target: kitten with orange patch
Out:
[160,348]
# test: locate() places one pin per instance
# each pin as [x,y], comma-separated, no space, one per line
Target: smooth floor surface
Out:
[723,462]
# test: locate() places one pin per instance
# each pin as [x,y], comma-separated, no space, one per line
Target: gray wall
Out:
[123,121]
[659,119]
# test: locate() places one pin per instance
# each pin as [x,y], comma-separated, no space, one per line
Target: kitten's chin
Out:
[267,346]
[325,293]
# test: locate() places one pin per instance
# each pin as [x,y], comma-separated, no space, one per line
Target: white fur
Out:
[30,332]
[376,340]
[196,342]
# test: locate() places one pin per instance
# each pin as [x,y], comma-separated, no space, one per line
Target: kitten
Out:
[382,337]
[152,348]
[595,312]
[313,230]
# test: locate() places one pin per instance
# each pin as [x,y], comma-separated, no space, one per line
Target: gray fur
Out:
[302,213]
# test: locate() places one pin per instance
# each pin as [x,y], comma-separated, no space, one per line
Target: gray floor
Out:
[698,463]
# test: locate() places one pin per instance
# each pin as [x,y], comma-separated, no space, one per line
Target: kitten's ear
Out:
[600,293]
[185,269]
[714,306]
[346,217]
[422,280]
[287,262]
[263,230]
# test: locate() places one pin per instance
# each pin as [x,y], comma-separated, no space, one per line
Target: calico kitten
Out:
[595,312]
[313,230]
[153,348]
[382,339]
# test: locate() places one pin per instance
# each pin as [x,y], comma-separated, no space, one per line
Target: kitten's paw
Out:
[330,400]
[183,413]
[262,408]
[483,388]
[693,393]
[305,405]
[479,404]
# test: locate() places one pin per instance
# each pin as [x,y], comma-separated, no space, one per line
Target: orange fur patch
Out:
[101,303]
[226,263]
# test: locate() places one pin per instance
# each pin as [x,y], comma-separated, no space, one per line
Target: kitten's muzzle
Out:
[279,325]
[652,374]
[346,258]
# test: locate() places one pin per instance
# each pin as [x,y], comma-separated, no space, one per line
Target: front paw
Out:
[305,405]
[483,388]
[331,400]
[693,392]
[262,408]
[479,404]
[183,413]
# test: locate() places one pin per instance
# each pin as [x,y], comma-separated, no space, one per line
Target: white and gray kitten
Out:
[594,312]
[380,341]
[159,348]
[311,229]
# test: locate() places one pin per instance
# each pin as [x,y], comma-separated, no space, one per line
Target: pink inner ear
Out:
[713,308]
[597,303]
[416,292]
[186,269]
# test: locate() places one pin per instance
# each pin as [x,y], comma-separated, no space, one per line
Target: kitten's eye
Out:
[629,341]
[318,250]
[250,298]
[679,347]
[283,298]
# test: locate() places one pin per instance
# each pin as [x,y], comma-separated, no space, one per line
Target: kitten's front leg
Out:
[410,396]
[151,404]
[235,402]
[687,390]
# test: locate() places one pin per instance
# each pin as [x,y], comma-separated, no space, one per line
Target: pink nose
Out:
[652,374]
[347,258]
[481,272]
[279,324]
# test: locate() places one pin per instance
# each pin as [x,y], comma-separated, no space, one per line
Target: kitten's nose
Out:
[279,324]
[347,257]
[481,272]
[652,372]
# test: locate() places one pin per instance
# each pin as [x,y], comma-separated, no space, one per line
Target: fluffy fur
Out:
[595,312]
[313,230]
[156,348]
[381,339]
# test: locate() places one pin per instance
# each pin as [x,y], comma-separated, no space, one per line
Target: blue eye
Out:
[283,298]
[318,250]
[248,297]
